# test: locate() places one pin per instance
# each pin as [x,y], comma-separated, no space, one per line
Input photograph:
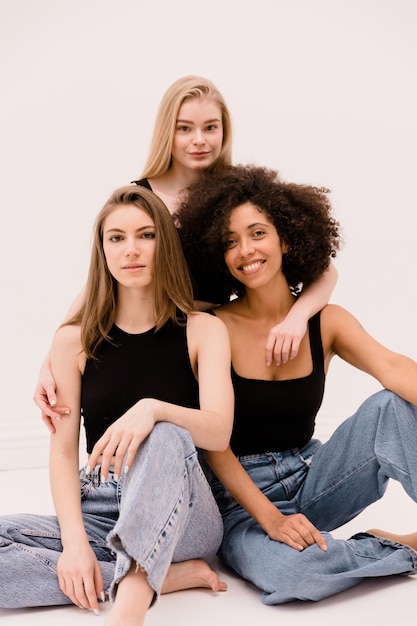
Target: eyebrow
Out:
[215,119]
[120,230]
[263,224]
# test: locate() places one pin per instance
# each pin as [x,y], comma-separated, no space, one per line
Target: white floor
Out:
[386,602]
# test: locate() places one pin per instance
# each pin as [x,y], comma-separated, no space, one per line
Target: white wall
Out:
[323,90]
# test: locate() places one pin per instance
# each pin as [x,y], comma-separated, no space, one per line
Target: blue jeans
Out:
[162,511]
[330,484]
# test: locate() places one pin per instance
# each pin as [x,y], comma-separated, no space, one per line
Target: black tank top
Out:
[143,182]
[203,289]
[148,365]
[278,415]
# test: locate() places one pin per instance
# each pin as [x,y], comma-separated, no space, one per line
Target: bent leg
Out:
[284,574]
[168,512]
[352,469]
[30,546]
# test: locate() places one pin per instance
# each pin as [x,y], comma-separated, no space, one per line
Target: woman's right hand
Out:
[45,396]
[296,531]
[80,576]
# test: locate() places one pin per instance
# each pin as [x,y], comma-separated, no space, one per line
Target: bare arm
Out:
[78,570]
[45,393]
[210,426]
[294,530]
[343,335]
[284,339]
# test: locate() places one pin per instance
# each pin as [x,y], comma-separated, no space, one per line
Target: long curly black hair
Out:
[300,213]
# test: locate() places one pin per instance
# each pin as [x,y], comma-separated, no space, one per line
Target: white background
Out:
[322,90]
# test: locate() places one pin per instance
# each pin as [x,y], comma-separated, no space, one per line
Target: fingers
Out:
[319,540]
[48,423]
[280,350]
[81,591]
[96,453]
[98,583]
[117,447]
[299,533]
[284,340]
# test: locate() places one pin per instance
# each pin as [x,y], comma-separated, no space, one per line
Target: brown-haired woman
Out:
[151,379]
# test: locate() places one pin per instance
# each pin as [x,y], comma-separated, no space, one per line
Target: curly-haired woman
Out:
[280,490]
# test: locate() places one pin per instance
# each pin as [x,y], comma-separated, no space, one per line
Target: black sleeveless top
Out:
[203,289]
[131,367]
[143,182]
[278,415]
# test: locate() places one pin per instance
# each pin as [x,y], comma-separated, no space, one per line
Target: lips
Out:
[251,267]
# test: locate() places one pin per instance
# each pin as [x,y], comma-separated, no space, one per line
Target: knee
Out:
[168,436]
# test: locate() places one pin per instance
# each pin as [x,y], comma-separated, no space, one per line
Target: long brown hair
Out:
[172,285]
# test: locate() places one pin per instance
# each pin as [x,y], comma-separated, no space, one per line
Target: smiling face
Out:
[129,246]
[198,134]
[252,248]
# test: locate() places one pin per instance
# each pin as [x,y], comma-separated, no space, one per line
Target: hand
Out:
[122,439]
[80,577]
[284,341]
[45,397]
[296,531]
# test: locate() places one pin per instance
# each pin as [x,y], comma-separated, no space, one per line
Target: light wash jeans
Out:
[330,484]
[162,511]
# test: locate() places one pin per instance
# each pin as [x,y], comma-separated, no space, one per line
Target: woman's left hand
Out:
[122,439]
[284,341]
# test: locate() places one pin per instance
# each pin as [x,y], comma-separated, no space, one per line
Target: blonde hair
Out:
[160,152]
[172,284]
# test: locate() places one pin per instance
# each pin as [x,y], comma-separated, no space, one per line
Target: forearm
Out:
[63,471]
[315,296]
[210,430]
[240,485]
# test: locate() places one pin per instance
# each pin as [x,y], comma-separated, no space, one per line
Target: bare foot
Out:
[191,574]
[406,540]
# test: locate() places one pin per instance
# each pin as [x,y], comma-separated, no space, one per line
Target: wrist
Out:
[153,408]
[268,518]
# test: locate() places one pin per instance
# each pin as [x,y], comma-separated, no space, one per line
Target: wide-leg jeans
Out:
[330,484]
[161,511]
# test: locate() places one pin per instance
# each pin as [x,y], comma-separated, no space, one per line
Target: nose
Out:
[198,137]
[246,247]
[132,247]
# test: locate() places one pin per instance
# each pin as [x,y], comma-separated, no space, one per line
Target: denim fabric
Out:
[330,484]
[162,510]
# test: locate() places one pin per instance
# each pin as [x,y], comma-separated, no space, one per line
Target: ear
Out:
[284,247]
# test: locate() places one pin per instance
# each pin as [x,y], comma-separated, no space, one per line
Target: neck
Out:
[135,311]
[268,303]
[180,177]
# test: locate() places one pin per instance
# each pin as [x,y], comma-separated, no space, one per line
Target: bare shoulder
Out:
[339,328]
[201,322]
[68,337]
[334,314]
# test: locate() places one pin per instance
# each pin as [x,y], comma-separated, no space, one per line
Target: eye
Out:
[115,238]
[149,235]
[183,129]
[229,243]
[211,127]
[258,233]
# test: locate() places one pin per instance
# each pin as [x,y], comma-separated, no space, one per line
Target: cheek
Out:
[219,141]
[228,259]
